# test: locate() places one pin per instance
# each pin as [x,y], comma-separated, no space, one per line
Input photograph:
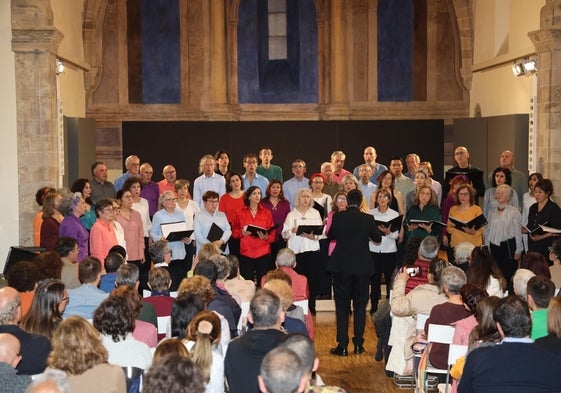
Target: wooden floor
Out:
[355,373]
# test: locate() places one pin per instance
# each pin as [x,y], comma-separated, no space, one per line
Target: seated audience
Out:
[85,299]
[536,263]
[283,290]
[183,310]
[552,341]
[555,258]
[24,277]
[159,283]
[462,255]
[127,274]
[143,331]
[34,348]
[281,371]
[78,351]
[46,310]
[160,253]
[170,346]
[484,272]
[540,291]
[202,340]
[49,264]
[243,359]
[51,381]
[115,321]
[241,289]
[428,250]
[67,249]
[286,261]
[471,296]
[492,369]
[9,359]
[173,374]
[112,262]
[520,282]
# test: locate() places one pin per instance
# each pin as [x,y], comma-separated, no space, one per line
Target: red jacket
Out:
[251,246]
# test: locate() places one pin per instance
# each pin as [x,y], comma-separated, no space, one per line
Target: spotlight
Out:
[529,65]
[526,66]
[59,67]
[517,69]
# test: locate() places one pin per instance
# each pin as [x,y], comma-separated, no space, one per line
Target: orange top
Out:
[26,300]
[37,221]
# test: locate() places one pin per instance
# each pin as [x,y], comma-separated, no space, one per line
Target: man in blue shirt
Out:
[87,297]
[132,164]
[297,182]
[251,177]
[209,180]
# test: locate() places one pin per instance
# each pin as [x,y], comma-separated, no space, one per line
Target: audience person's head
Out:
[77,347]
[536,263]
[205,331]
[197,285]
[283,290]
[183,310]
[265,310]
[127,274]
[49,264]
[24,276]
[159,280]
[10,306]
[89,270]
[206,251]
[462,252]
[471,296]
[453,279]
[46,309]
[278,274]
[9,349]
[486,329]
[114,318]
[206,268]
[282,371]
[67,247]
[520,281]
[436,268]
[539,291]
[222,266]
[302,346]
[411,253]
[513,317]
[51,381]
[554,317]
[112,262]
[159,251]
[428,249]
[482,267]
[173,374]
[170,346]
[131,296]
[234,266]
[555,251]
[120,250]
[286,258]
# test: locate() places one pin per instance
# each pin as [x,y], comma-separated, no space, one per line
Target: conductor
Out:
[352,266]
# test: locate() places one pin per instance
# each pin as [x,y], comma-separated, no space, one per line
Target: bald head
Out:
[169,173]
[10,310]
[9,349]
[507,159]
[461,155]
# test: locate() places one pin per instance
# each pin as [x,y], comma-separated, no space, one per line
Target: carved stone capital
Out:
[42,39]
[546,39]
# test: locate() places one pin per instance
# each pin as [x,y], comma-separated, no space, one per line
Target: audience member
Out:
[484,272]
[46,310]
[34,348]
[552,341]
[540,290]
[492,369]
[286,261]
[101,188]
[85,299]
[112,263]
[51,381]
[128,274]
[9,359]
[240,288]
[282,371]
[245,353]
[170,346]
[282,289]
[79,351]
[143,331]
[24,277]
[183,310]
[555,258]
[49,263]
[536,263]
[462,255]
[428,250]
[161,255]
[173,374]
[68,250]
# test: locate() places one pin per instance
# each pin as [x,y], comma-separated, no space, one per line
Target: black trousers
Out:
[504,256]
[255,268]
[347,287]
[308,265]
[324,277]
[384,263]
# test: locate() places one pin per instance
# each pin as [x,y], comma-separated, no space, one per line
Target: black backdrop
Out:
[184,143]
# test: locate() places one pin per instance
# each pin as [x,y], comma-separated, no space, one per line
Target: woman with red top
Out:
[102,234]
[279,207]
[131,221]
[230,203]
[255,251]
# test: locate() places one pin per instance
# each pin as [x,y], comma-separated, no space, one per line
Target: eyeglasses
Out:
[169,252]
[65,299]
[463,193]
[170,200]
[298,166]
[341,199]
[169,172]
[212,200]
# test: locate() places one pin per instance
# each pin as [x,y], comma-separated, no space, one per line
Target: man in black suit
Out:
[516,364]
[352,266]
[473,174]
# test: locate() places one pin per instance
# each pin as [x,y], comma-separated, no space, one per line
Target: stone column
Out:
[35,43]
[547,41]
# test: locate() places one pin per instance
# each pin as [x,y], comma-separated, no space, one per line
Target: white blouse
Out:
[388,242]
[503,226]
[296,243]
[142,207]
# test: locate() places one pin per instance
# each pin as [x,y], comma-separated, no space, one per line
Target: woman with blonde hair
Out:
[202,339]
[78,351]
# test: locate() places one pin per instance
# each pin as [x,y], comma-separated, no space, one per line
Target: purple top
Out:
[278,212]
[151,193]
[71,226]
[447,203]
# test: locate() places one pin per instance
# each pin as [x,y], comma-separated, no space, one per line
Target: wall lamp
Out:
[526,66]
[59,67]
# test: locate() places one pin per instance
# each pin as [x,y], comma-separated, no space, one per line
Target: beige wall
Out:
[9,224]
[501,36]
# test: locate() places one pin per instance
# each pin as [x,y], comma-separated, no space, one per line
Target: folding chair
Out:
[406,381]
[442,334]
[455,351]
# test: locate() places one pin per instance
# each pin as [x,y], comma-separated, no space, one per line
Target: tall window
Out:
[277,29]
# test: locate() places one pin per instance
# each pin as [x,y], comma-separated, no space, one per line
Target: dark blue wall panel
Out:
[293,80]
[395,50]
[161,83]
